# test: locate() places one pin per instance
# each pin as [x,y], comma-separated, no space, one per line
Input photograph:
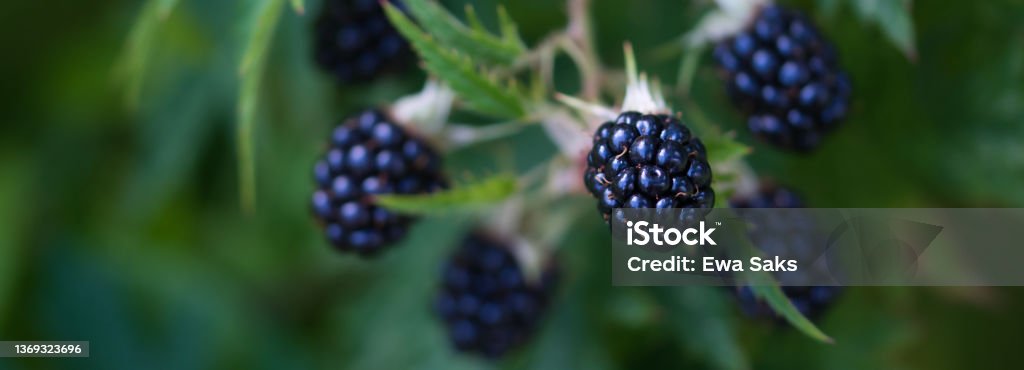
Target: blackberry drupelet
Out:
[486,302]
[368,154]
[355,42]
[784,75]
[789,235]
[647,161]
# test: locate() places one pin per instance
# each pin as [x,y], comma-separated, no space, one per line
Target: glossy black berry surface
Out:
[354,41]
[647,161]
[786,234]
[486,302]
[368,155]
[785,77]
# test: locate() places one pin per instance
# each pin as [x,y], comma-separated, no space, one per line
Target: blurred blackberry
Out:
[368,154]
[784,75]
[790,235]
[768,197]
[354,40]
[487,304]
[647,161]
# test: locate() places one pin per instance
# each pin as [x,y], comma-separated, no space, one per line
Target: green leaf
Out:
[772,294]
[131,65]
[461,198]
[479,91]
[164,7]
[474,41]
[721,146]
[896,22]
[704,310]
[509,30]
[829,7]
[16,193]
[299,6]
[473,19]
[892,17]
[765,287]
[251,70]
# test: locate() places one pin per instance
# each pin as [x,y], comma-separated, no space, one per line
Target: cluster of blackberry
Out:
[370,155]
[781,72]
[788,237]
[486,302]
[784,75]
[647,161]
[354,40]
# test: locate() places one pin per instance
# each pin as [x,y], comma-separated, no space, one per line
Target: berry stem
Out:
[688,70]
[581,44]
[460,135]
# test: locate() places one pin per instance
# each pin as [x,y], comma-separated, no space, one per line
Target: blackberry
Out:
[788,235]
[368,154]
[486,302]
[354,40]
[785,77]
[769,196]
[647,161]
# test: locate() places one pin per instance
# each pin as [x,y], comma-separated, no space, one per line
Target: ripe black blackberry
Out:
[355,42]
[487,303]
[369,154]
[647,161]
[784,75]
[788,235]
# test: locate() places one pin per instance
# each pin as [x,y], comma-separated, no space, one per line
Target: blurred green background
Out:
[120,223]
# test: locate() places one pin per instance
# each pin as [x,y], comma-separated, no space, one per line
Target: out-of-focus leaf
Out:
[480,91]
[892,17]
[473,19]
[873,332]
[895,20]
[83,300]
[772,294]
[509,29]
[722,147]
[299,6]
[461,198]
[829,7]
[164,7]
[703,310]
[475,42]
[173,136]
[399,303]
[767,289]
[131,65]
[14,206]
[251,70]
[570,341]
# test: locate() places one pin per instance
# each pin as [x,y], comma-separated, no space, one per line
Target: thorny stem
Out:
[458,135]
[576,40]
[581,36]
[688,70]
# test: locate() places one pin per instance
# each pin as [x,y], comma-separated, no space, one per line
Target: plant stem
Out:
[581,43]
